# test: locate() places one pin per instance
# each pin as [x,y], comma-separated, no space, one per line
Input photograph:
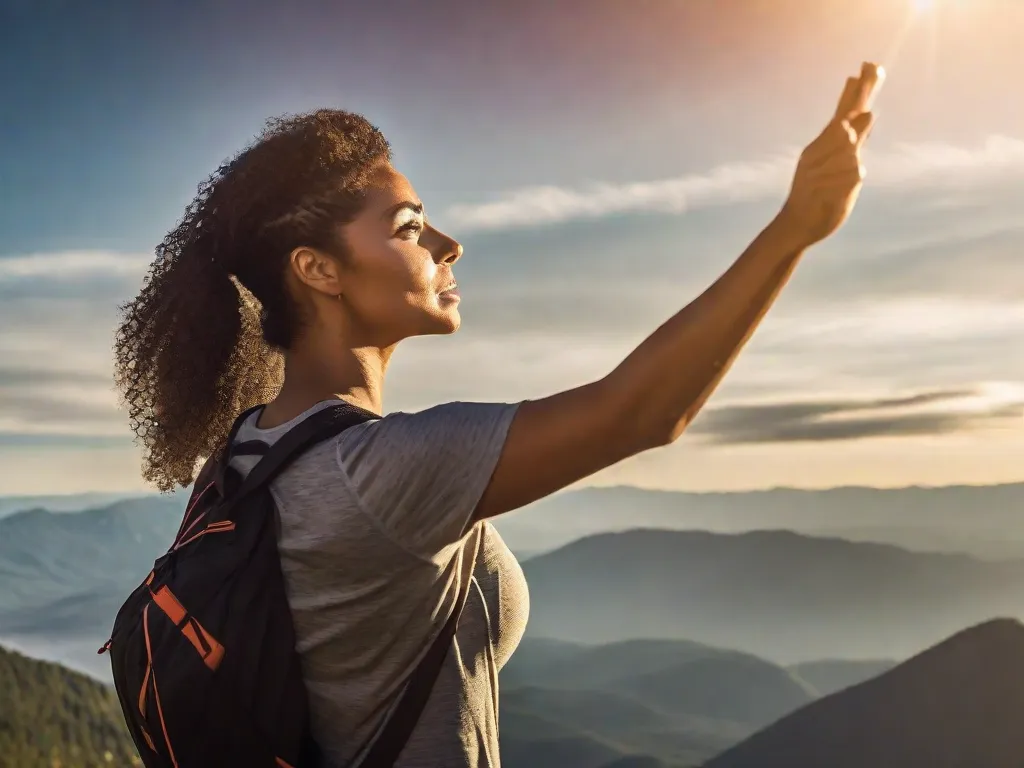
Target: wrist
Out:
[787,234]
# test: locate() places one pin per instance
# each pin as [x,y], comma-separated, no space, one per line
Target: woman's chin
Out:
[453,321]
[446,321]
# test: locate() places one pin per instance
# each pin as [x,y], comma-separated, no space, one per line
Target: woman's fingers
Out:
[871,77]
[849,98]
[862,125]
[841,137]
[859,93]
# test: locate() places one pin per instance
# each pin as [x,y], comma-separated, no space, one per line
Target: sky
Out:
[602,161]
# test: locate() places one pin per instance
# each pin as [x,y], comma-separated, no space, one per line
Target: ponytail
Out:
[189,357]
[203,339]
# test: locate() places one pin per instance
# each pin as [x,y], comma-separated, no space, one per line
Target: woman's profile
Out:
[339,264]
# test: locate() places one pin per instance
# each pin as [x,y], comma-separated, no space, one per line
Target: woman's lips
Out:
[451,293]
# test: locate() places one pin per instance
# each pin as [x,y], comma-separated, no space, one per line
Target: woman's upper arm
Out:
[426,477]
[556,441]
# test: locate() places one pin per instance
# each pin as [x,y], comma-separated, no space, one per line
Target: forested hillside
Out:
[51,717]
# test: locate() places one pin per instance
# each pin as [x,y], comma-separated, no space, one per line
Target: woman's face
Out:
[396,280]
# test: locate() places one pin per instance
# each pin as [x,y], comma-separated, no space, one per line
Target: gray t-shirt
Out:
[374,550]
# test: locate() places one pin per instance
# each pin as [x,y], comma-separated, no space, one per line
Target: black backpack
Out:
[203,651]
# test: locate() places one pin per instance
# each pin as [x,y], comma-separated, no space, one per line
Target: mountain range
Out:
[646,648]
[69,502]
[656,703]
[775,594]
[978,520]
[64,575]
[679,702]
[54,566]
[647,704]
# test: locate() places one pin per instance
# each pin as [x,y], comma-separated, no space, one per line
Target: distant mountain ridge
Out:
[774,594]
[63,575]
[69,502]
[915,518]
[777,595]
[657,702]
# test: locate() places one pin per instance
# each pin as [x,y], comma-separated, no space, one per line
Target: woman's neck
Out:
[311,376]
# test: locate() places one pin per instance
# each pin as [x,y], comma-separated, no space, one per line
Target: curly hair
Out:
[203,339]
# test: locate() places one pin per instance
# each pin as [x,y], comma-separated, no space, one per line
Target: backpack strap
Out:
[221,466]
[392,738]
[314,429]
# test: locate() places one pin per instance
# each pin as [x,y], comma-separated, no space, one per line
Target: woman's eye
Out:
[413,227]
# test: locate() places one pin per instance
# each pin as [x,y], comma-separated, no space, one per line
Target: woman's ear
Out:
[316,269]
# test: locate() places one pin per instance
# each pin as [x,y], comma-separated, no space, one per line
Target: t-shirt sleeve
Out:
[421,475]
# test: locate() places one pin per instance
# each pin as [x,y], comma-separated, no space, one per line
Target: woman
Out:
[332,243]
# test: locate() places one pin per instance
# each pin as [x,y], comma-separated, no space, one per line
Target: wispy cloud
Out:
[72,265]
[735,182]
[936,412]
[906,165]
[59,400]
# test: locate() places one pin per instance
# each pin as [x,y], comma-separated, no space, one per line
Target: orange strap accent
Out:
[169,604]
[282,764]
[149,739]
[222,527]
[163,725]
[156,692]
[142,690]
[211,651]
[182,530]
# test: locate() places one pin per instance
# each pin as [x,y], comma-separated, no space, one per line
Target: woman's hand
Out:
[830,174]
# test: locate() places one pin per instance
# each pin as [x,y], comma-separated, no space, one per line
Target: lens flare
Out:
[921,6]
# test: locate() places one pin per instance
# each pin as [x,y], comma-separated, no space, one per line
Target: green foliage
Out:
[51,717]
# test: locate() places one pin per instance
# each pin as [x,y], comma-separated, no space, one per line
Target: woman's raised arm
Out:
[650,398]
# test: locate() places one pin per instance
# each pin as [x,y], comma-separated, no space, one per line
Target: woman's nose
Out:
[448,250]
[456,252]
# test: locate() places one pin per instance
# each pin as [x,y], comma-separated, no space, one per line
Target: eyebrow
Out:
[405,204]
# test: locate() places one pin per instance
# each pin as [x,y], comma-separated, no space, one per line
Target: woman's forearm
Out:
[664,382]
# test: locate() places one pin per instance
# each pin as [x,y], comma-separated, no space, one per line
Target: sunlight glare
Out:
[921,6]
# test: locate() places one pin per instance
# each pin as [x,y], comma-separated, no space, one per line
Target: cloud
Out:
[66,277]
[936,412]
[930,165]
[57,401]
[735,182]
[57,316]
[36,377]
[72,265]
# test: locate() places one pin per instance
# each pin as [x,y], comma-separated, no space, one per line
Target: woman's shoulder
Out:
[422,474]
[417,476]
